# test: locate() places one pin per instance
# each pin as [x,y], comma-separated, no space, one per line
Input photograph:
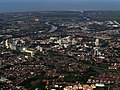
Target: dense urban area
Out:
[60,50]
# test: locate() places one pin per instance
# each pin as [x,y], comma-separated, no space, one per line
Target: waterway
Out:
[53,28]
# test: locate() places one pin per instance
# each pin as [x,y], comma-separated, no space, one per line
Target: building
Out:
[97,48]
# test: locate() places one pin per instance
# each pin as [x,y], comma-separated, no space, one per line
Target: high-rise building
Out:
[96,51]
[6,44]
[97,42]
[39,48]
[97,48]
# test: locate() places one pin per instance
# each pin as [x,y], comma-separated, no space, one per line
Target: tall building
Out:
[96,51]
[96,42]
[60,42]
[6,44]
[39,48]
[97,48]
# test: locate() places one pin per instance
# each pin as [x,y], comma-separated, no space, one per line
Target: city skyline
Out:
[59,45]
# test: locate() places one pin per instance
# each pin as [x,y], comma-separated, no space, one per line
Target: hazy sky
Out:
[58,0]
[53,0]
[36,5]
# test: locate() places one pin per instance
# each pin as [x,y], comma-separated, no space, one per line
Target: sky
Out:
[43,5]
[51,0]
[58,1]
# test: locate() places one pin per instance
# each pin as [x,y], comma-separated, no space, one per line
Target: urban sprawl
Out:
[60,50]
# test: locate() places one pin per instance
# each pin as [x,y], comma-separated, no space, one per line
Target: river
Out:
[53,29]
